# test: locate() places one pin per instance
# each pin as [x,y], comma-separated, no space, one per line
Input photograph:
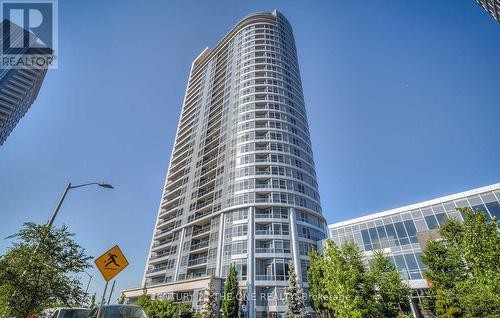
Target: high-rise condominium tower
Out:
[241,186]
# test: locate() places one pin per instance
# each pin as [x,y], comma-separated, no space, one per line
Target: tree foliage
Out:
[317,284]
[391,292]
[347,282]
[342,285]
[92,301]
[39,270]
[230,303]
[464,267]
[294,296]
[164,308]
[210,306]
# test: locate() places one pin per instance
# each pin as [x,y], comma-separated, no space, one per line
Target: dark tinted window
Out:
[74,313]
[366,240]
[431,222]
[481,208]
[391,234]
[421,264]
[403,237]
[410,260]
[374,236]
[441,217]
[494,209]
[412,231]
[124,312]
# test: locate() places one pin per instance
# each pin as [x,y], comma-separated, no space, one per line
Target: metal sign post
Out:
[102,300]
[111,292]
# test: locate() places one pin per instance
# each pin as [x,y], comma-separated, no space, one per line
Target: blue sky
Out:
[402,98]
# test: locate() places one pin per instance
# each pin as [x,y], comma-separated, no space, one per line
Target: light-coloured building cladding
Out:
[402,232]
[241,186]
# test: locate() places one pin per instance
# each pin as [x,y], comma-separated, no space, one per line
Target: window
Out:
[412,231]
[382,236]
[441,217]
[494,209]
[366,240]
[400,230]
[431,222]
[401,265]
[374,237]
[412,266]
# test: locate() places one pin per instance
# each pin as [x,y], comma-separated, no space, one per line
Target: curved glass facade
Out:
[241,186]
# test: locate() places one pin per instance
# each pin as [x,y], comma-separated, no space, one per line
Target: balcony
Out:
[155,270]
[267,214]
[263,200]
[202,230]
[200,205]
[272,250]
[207,180]
[170,218]
[157,256]
[167,206]
[271,232]
[164,242]
[197,261]
[199,245]
[201,193]
[271,277]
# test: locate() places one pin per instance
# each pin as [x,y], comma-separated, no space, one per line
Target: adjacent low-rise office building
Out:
[402,232]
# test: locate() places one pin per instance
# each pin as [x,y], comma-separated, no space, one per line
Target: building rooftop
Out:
[455,196]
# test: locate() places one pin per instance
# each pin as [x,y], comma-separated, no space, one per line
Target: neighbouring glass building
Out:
[402,232]
[492,7]
[19,86]
[241,185]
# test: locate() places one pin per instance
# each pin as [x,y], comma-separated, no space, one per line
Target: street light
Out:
[69,187]
[87,289]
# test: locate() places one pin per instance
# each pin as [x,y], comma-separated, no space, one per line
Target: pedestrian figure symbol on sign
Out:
[111,263]
[111,260]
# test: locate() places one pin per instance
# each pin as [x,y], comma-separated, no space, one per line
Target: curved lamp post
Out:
[69,187]
[86,289]
[51,220]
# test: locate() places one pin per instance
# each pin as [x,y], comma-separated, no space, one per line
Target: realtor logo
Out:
[29,34]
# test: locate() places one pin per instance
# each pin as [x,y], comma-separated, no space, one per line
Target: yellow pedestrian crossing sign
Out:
[111,263]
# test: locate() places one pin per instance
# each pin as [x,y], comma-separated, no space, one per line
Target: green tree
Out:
[164,308]
[464,267]
[349,290]
[294,296]
[392,293]
[184,310]
[210,306]
[197,315]
[92,301]
[317,284]
[230,303]
[144,301]
[445,268]
[34,278]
